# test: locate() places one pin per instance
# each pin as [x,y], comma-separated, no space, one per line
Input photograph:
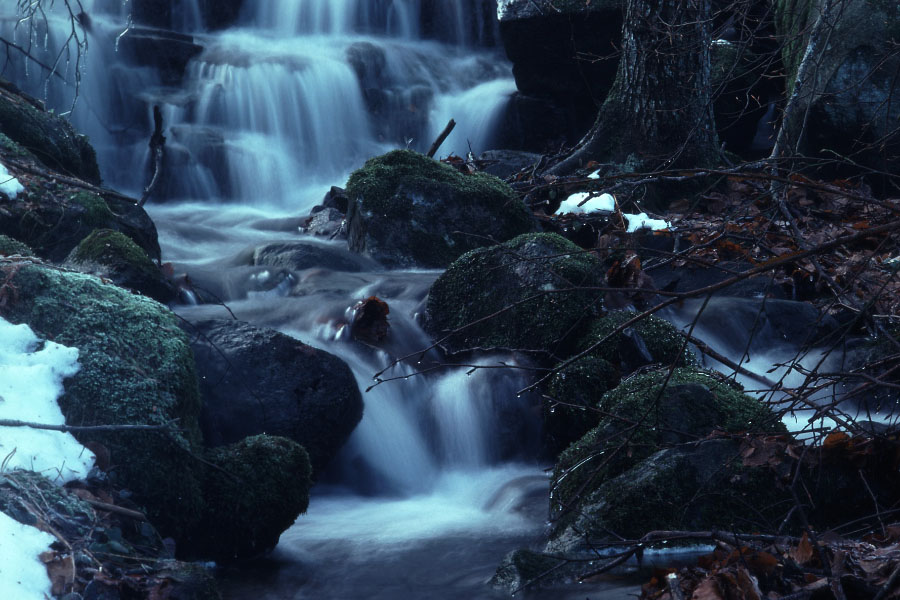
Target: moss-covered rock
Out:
[10,246]
[408,210]
[520,294]
[521,568]
[570,401]
[115,256]
[136,368]
[48,137]
[648,412]
[262,487]
[650,340]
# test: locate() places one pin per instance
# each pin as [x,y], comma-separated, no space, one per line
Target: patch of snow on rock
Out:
[9,185]
[31,381]
[22,575]
[601,203]
[643,221]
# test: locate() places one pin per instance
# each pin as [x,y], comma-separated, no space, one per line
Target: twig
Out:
[440,139]
[157,146]
[87,428]
[117,509]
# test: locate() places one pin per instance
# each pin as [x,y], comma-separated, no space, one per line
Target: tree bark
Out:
[659,111]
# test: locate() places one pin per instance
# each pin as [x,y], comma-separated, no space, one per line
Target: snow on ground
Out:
[22,575]
[601,203]
[31,380]
[643,221]
[9,185]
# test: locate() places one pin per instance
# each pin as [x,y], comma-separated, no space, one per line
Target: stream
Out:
[442,478]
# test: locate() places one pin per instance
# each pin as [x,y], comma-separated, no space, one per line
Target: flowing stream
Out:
[441,478]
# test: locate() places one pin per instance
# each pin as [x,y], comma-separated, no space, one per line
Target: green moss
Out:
[136,368]
[661,338]
[640,417]
[519,294]
[12,148]
[410,210]
[569,409]
[109,247]
[10,246]
[96,211]
[262,487]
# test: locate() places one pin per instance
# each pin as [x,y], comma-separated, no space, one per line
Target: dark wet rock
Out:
[298,256]
[114,256]
[337,199]
[504,163]
[257,380]
[263,484]
[521,567]
[370,321]
[854,80]
[407,210]
[475,20]
[543,125]
[167,52]
[739,324]
[216,14]
[328,223]
[515,288]
[48,137]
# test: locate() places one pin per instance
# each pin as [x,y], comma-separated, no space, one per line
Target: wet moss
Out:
[640,417]
[569,408]
[410,210]
[136,368]
[260,487]
[96,211]
[520,294]
[658,340]
[10,246]
[109,247]
[12,148]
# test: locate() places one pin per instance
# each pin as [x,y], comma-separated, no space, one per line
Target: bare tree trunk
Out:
[659,111]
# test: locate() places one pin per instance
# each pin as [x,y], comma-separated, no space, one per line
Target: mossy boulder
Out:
[261,485]
[113,255]
[136,368]
[10,246]
[644,414]
[522,294]
[50,138]
[408,210]
[570,401]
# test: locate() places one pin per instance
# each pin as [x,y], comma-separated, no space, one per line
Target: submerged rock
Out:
[258,380]
[407,210]
[520,294]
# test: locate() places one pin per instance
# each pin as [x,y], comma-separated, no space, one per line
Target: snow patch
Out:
[601,203]
[643,221]
[22,575]
[31,381]
[9,185]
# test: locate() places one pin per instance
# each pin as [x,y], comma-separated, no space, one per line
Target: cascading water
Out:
[439,480]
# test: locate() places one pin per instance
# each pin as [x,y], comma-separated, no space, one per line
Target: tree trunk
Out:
[659,111]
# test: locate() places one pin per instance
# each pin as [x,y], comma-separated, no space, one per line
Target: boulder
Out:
[518,295]
[643,416]
[298,256]
[407,210]
[10,247]
[503,163]
[137,368]
[46,136]
[261,485]
[257,380]
[114,256]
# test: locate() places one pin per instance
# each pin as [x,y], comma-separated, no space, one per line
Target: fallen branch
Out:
[440,139]
[87,428]
[125,512]
[157,145]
